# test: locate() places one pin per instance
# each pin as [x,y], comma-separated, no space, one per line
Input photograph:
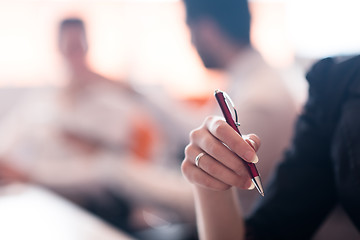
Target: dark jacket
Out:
[322,167]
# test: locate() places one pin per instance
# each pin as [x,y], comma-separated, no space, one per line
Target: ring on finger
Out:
[197,159]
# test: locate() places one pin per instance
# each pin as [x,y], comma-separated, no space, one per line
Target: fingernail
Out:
[251,157]
[252,185]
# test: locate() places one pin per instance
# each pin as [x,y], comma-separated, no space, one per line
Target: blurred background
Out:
[141,49]
[148,42]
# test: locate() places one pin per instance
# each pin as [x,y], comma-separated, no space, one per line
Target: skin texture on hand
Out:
[219,170]
[222,166]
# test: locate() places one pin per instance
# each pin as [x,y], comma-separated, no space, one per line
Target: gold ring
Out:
[197,159]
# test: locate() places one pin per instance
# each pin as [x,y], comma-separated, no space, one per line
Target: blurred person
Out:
[220,32]
[96,142]
[64,133]
[85,85]
[319,171]
[139,181]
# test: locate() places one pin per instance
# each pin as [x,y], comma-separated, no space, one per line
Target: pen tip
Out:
[256,180]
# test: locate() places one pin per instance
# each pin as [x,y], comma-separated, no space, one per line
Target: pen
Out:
[221,98]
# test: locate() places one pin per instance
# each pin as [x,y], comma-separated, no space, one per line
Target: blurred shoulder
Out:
[329,83]
[330,72]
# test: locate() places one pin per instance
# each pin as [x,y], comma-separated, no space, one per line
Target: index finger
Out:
[226,134]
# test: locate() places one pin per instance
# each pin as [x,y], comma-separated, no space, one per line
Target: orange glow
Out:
[142,42]
[147,43]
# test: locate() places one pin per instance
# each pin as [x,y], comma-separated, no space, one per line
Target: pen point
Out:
[257,181]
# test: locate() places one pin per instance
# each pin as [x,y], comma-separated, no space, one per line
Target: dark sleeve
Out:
[302,192]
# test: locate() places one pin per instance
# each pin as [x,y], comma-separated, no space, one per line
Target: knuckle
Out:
[187,150]
[208,119]
[184,165]
[219,127]
[185,168]
[195,134]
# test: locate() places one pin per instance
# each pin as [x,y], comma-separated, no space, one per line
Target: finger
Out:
[213,147]
[219,171]
[253,140]
[200,178]
[224,174]
[225,133]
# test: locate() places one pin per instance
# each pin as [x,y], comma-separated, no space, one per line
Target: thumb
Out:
[253,141]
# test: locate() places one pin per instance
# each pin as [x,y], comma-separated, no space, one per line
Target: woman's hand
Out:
[221,167]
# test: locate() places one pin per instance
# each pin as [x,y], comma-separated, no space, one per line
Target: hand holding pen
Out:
[227,106]
[217,156]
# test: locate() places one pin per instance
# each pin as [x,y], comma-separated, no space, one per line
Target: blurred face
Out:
[73,45]
[203,40]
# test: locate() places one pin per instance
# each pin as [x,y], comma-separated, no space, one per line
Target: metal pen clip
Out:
[234,112]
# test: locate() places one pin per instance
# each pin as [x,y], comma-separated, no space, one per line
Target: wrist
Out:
[219,214]
[207,196]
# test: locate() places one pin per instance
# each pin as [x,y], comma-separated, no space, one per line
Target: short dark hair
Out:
[232,16]
[72,22]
